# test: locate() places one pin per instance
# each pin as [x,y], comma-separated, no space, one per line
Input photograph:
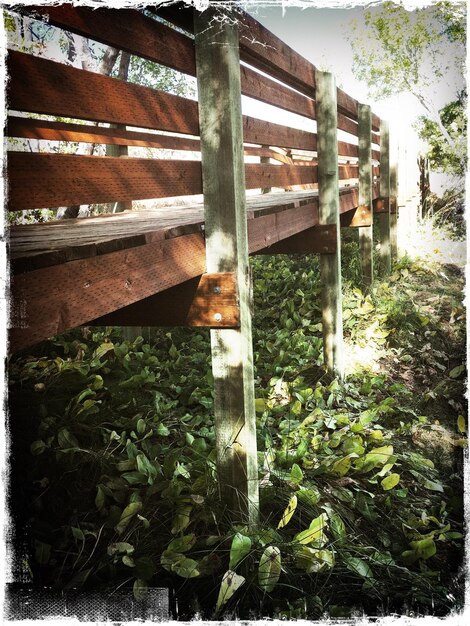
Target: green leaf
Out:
[313,532]
[103,349]
[313,561]
[241,546]
[121,547]
[77,533]
[37,447]
[260,405]
[100,498]
[231,581]
[342,466]
[296,474]
[289,512]
[269,569]
[162,430]
[129,512]
[461,424]
[296,408]
[390,482]
[309,495]
[358,566]
[66,439]
[185,567]
[140,589]
[128,561]
[181,519]
[424,548]
[182,544]
[456,371]
[337,527]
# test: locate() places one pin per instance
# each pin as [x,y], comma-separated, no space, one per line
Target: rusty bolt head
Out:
[217,290]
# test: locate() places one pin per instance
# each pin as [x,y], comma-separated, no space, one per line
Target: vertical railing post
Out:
[328,191]
[393,207]
[383,218]
[221,131]
[365,193]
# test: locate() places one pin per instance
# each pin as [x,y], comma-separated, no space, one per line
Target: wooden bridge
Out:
[188,265]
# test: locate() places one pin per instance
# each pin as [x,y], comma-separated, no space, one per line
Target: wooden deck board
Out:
[69,272]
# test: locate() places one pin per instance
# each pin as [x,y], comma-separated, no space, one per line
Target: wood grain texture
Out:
[193,303]
[53,180]
[37,86]
[119,27]
[37,180]
[329,211]
[61,131]
[223,174]
[383,216]
[270,134]
[162,44]
[315,240]
[42,302]
[365,197]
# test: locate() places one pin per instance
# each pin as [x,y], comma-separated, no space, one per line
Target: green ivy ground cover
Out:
[113,479]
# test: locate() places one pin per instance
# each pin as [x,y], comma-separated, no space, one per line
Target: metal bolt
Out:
[86,284]
[217,290]
[218,317]
[128,283]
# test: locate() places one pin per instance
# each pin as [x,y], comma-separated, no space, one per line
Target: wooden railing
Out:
[341,182]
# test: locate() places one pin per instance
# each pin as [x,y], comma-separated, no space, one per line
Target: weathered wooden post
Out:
[221,131]
[365,193]
[383,217]
[328,191]
[265,159]
[393,208]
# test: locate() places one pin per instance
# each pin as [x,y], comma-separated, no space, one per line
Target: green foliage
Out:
[443,157]
[418,52]
[115,453]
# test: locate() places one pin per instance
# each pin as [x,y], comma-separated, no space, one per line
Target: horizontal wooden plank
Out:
[61,131]
[51,300]
[348,171]
[270,134]
[376,155]
[268,229]
[348,199]
[38,180]
[161,44]
[206,301]
[264,89]
[37,86]
[319,239]
[270,175]
[53,180]
[264,50]
[258,47]
[347,124]
[119,27]
[347,149]
[346,104]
